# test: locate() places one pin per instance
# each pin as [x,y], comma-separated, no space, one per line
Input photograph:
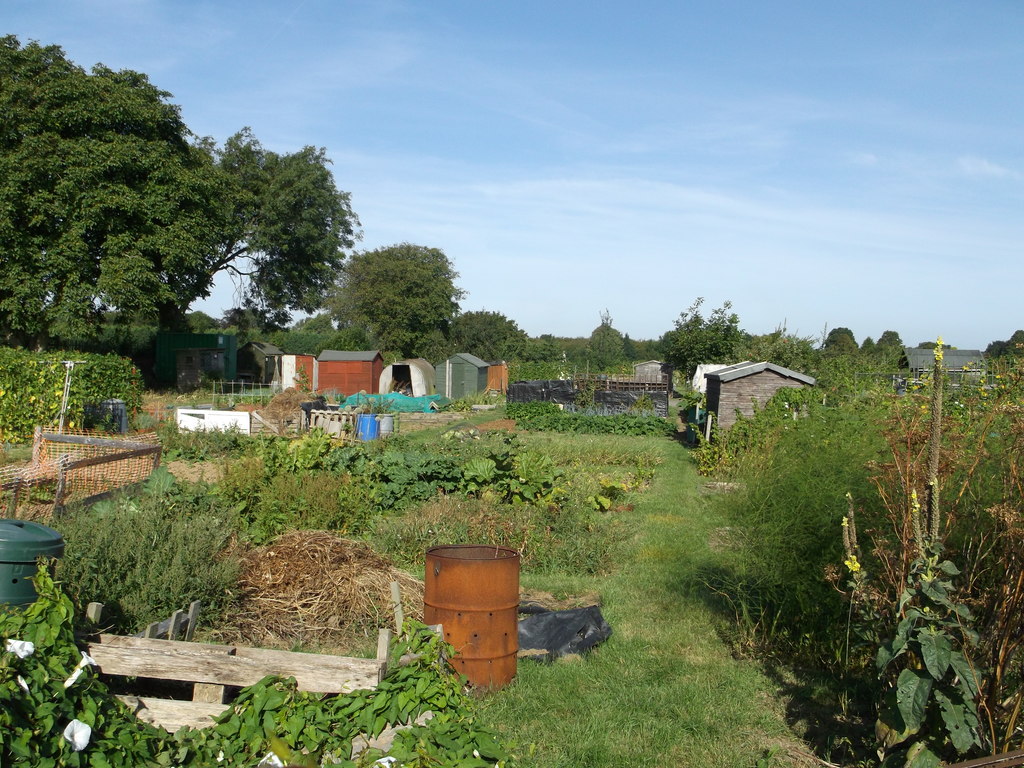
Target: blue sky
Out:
[819,164]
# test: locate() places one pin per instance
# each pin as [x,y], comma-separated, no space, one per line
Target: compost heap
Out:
[310,586]
[284,408]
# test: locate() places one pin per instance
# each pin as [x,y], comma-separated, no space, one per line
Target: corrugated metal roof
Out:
[738,371]
[919,358]
[335,356]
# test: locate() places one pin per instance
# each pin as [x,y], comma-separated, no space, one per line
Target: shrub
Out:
[147,555]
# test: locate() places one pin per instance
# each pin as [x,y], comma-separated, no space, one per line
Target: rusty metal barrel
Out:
[474,592]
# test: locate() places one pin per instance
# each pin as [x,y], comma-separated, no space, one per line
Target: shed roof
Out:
[471,359]
[738,371]
[335,356]
[952,359]
[265,347]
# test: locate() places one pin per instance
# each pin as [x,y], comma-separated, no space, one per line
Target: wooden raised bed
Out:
[213,667]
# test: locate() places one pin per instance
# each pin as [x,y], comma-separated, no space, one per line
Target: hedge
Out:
[32,386]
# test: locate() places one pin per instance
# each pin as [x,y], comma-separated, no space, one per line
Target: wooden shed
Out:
[349,372]
[736,388]
[413,377]
[258,362]
[497,376]
[299,371]
[461,375]
[194,363]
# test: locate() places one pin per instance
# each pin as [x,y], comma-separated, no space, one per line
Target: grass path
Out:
[664,690]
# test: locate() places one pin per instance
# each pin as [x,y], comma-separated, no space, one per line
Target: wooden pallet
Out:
[211,668]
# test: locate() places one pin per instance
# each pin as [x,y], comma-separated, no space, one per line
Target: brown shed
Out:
[349,372]
[737,388]
[497,376]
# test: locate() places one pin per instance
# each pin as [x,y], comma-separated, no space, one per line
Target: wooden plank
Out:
[94,612]
[107,458]
[172,714]
[314,672]
[55,437]
[1004,760]
[230,665]
[206,692]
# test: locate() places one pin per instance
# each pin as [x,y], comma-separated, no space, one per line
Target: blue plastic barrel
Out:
[367,426]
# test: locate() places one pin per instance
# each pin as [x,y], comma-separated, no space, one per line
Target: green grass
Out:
[664,690]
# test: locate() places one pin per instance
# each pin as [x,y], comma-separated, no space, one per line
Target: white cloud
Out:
[972,165]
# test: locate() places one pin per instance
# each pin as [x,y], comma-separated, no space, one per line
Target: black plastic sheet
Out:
[552,634]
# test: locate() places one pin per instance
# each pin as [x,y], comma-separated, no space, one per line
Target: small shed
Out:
[414,378]
[653,372]
[736,388]
[299,371]
[258,362]
[497,376]
[461,375]
[349,372]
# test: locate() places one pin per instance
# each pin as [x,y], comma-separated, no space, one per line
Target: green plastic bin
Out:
[21,543]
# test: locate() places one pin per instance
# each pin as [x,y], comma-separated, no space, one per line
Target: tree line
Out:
[115,218]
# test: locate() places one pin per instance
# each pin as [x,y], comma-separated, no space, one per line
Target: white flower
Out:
[385,761]
[78,734]
[86,661]
[220,756]
[270,761]
[22,683]
[21,648]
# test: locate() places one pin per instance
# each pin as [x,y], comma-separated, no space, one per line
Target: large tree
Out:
[288,226]
[698,339]
[488,335]
[404,294]
[840,341]
[605,348]
[108,201]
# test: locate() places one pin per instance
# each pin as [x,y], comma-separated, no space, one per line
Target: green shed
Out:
[461,375]
[169,344]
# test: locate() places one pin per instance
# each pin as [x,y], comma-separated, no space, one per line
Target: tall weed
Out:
[782,537]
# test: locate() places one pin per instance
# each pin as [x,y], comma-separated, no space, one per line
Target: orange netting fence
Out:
[74,467]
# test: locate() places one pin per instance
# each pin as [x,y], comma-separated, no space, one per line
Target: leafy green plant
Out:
[547,417]
[32,388]
[201,445]
[40,700]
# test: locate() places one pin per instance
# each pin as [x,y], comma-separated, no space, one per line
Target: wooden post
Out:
[193,618]
[94,612]
[174,630]
[62,480]
[37,445]
[12,508]
[396,600]
[383,647]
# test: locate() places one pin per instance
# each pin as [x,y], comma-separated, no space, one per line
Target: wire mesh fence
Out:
[74,467]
